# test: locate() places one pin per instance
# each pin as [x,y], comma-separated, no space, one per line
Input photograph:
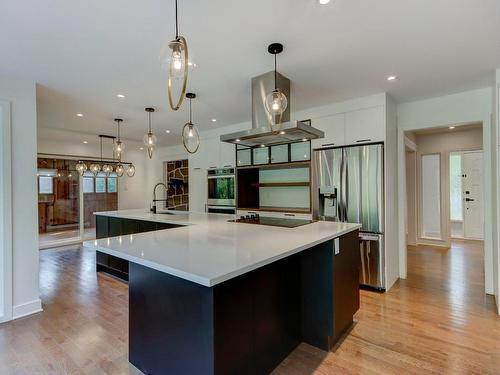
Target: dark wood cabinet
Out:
[107,226]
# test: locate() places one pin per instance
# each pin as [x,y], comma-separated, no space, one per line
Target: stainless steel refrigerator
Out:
[348,185]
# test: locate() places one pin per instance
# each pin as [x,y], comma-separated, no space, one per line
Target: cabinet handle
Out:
[197,168]
[363,140]
[328,144]
[289,214]
[227,166]
[213,167]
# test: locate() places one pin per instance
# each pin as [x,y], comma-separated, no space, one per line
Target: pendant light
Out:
[81,167]
[118,146]
[150,138]
[119,169]
[190,135]
[276,101]
[131,170]
[178,66]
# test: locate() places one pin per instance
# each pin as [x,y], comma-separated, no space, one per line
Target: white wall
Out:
[21,93]
[495,145]
[133,192]
[465,107]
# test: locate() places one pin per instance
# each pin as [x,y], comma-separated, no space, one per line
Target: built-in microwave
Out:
[221,187]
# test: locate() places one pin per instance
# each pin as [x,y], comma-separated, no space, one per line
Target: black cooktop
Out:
[272,221]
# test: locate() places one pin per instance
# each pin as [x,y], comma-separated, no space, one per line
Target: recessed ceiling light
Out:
[262,145]
[141,148]
[120,95]
[304,139]
[452,127]
[167,131]
[392,78]
[237,139]
[214,120]
[85,142]
[79,114]
[324,2]
[282,132]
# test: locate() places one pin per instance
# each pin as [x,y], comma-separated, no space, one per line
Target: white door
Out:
[472,191]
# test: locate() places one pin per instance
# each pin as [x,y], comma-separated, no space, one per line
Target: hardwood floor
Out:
[437,321]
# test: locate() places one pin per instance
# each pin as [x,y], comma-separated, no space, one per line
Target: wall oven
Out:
[221,188]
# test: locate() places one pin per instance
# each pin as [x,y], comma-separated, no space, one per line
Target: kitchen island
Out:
[212,297]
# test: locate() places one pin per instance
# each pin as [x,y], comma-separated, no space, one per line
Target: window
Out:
[456,213]
[45,185]
[431,196]
[111,184]
[100,184]
[88,184]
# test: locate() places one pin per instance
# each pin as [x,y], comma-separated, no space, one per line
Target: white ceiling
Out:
[82,53]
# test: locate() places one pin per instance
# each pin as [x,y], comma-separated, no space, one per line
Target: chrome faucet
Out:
[153,207]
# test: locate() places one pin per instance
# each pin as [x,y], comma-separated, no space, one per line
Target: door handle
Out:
[469,200]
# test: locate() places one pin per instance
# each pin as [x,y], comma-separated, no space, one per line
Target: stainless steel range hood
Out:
[260,133]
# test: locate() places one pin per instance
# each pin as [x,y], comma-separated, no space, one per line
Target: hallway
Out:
[437,321]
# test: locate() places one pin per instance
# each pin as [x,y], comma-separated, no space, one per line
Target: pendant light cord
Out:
[275,86]
[101,147]
[190,112]
[176,22]
[149,121]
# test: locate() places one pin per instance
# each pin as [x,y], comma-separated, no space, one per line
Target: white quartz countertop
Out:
[208,249]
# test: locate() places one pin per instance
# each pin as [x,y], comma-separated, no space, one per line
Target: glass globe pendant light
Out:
[131,170]
[118,146]
[178,66]
[150,138]
[81,167]
[276,101]
[190,135]
[95,168]
[119,169]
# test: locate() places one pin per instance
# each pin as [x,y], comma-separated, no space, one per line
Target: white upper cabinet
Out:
[212,154]
[365,125]
[334,128]
[227,155]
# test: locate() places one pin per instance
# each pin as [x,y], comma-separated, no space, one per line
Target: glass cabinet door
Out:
[300,151]
[244,157]
[279,154]
[261,155]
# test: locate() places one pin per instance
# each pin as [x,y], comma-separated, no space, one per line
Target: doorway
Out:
[67,201]
[467,195]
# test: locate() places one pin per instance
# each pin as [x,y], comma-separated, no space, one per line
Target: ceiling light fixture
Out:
[79,114]
[392,78]
[120,96]
[190,135]
[118,146]
[276,101]
[324,2]
[150,138]
[167,131]
[178,66]
[85,142]
[214,120]
[451,127]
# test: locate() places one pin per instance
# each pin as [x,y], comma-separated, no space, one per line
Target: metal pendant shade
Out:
[276,101]
[190,135]
[178,68]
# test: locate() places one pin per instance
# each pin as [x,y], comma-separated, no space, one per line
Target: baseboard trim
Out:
[28,308]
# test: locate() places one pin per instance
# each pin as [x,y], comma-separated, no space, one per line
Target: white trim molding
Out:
[28,308]
[5,213]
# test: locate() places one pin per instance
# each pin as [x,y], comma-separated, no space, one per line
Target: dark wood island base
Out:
[248,324]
